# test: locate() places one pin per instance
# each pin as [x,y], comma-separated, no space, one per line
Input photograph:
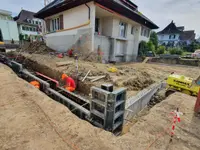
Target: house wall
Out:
[164,38]
[128,45]
[64,40]
[9,31]
[107,25]
[26,32]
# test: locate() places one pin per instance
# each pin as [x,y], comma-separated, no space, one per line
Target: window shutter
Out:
[48,25]
[61,22]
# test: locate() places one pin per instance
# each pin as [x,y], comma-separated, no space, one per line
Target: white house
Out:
[8,28]
[115,27]
[175,36]
[28,25]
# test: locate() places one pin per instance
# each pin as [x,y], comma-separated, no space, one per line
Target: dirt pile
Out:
[36,47]
[139,82]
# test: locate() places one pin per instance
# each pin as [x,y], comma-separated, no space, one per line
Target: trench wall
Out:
[179,61]
[83,88]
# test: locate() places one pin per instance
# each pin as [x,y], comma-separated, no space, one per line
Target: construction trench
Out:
[105,109]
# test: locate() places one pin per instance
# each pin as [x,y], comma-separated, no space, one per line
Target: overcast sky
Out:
[161,12]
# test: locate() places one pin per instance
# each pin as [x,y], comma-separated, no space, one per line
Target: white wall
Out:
[72,18]
[27,32]
[107,25]
[9,30]
[164,38]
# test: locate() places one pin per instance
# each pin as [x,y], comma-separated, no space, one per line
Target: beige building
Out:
[114,27]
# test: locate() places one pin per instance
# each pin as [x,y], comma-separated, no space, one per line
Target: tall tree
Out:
[154,39]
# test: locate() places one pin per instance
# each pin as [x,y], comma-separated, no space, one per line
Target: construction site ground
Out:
[133,76]
[31,120]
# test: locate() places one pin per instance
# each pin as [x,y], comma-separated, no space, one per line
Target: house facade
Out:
[113,27]
[174,36]
[28,25]
[8,28]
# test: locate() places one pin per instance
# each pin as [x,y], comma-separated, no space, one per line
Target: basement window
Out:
[55,24]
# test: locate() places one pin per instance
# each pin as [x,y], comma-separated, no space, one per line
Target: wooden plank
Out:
[98,78]
[65,63]
[86,76]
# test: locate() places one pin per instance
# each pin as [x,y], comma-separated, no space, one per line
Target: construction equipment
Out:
[2,45]
[182,84]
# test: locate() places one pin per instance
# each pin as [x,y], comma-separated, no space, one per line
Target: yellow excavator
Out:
[182,84]
[2,44]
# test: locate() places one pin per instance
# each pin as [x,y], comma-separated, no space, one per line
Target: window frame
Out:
[132,30]
[55,24]
[123,32]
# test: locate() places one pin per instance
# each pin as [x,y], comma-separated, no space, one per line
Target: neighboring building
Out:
[198,39]
[8,28]
[114,27]
[28,25]
[175,36]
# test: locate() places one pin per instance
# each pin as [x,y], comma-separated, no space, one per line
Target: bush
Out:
[160,50]
[175,51]
[143,48]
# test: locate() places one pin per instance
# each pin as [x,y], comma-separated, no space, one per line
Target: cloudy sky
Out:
[162,12]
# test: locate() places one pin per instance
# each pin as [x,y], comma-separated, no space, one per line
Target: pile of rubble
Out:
[36,47]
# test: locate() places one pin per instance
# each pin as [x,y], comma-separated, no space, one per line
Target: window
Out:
[23,28]
[174,36]
[97,20]
[34,29]
[55,24]
[36,22]
[31,29]
[132,30]
[145,32]
[40,23]
[148,32]
[169,36]
[122,29]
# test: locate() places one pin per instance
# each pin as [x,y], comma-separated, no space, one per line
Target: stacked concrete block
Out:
[108,108]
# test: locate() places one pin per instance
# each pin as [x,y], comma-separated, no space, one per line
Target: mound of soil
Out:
[139,82]
[37,48]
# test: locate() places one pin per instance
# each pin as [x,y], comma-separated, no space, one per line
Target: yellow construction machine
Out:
[182,84]
[2,45]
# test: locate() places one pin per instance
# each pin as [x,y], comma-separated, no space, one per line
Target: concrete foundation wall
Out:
[179,61]
[105,46]
[137,103]
[63,42]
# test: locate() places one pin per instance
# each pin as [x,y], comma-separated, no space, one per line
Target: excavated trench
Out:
[83,89]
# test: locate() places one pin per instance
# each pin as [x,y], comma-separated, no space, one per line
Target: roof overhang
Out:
[111,4]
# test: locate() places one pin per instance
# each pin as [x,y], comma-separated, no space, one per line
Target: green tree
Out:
[151,46]
[193,46]
[160,50]
[154,39]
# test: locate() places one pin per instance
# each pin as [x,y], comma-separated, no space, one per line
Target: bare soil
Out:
[133,76]
[31,120]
